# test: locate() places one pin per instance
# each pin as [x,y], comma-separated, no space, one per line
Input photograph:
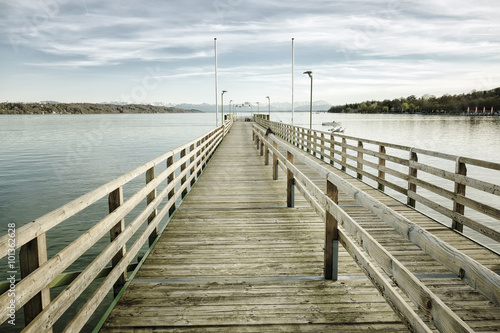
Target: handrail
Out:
[443,318]
[184,165]
[335,148]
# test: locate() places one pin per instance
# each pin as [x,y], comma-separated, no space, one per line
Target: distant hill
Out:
[275,106]
[85,108]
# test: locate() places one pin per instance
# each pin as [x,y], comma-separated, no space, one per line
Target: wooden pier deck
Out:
[235,258]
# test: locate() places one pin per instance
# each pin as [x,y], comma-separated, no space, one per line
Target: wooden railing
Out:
[162,192]
[342,228]
[406,171]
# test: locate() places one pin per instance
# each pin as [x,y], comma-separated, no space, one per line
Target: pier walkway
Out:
[235,258]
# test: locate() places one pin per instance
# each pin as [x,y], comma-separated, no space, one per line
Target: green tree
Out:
[405,106]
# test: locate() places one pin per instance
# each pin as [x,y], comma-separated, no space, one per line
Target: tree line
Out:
[447,104]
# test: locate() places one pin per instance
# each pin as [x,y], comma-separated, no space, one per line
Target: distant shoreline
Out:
[86,108]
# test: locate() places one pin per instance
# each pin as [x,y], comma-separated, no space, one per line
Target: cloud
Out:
[382,45]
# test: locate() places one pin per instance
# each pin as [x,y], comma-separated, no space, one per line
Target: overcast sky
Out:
[163,51]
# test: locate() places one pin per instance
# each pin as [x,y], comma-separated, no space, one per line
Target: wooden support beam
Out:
[199,161]
[275,162]
[115,200]
[412,172]
[290,182]
[460,169]
[170,179]
[261,147]
[331,236]
[184,178]
[32,255]
[360,162]
[150,175]
[332,149]
[381,163]
[266,153]
[309,138]
[344,154]
[322,146]
[192,164]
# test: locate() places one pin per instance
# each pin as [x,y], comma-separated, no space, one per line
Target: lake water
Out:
[46,161]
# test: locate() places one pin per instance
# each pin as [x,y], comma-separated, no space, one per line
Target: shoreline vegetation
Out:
[473,103]
[85,108]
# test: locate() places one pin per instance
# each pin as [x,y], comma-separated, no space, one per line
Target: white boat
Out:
[330,123]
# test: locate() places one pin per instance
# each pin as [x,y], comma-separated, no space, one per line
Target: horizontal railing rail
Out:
[340,227]
[402,170]
[183,165]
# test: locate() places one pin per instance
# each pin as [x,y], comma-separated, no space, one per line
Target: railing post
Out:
[262,147]
[266,153]
[191,164]
[150,175]
[344,154]
[460,169]
[412,172]
[115,200]
[170,179]
[275,162]
[322,147]
[184,178]
[332,149]
[198,154]
[331,236]
[381,163]
[360,162]
[298,132]
[32,255]
[205,141]
[302,138]
[309,140]
[290,183]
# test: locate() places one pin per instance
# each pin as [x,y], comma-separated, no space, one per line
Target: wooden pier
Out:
[271,236]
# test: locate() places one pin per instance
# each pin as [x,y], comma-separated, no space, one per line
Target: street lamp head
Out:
[224,91]
[308,73]
[268,97]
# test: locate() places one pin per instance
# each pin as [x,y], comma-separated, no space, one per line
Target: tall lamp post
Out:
[258,107]
[310,73]
[230,111]
[222,104]
[269,106]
